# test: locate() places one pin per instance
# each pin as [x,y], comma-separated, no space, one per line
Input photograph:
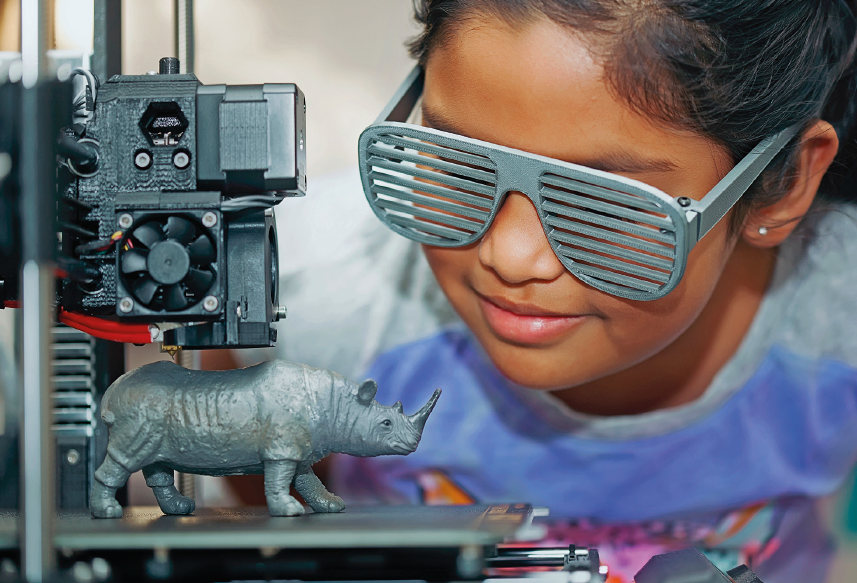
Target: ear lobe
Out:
[769,226]
[366,391]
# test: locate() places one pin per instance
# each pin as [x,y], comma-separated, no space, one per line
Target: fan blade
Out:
[134,260]
[202,251]
[198,281]
[145,289]
[149,234]
[180,229]
[174,298]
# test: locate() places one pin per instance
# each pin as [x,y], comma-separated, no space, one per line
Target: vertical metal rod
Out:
[35,38]
[37,287]
[38,459]
[183,10]
[107,39]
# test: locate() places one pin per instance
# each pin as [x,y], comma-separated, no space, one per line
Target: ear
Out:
[366,392]
[770,225]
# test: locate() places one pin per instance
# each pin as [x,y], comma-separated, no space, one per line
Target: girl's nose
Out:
[515,246]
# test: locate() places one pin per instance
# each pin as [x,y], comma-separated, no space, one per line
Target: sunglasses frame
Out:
[519,171]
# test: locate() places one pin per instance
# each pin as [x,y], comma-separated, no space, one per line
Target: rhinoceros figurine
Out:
[275,418]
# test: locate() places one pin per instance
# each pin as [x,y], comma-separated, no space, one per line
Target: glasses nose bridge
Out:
[518,174]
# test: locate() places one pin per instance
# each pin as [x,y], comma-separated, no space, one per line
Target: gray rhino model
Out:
[276,419]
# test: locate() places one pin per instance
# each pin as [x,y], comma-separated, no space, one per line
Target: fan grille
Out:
[168,262]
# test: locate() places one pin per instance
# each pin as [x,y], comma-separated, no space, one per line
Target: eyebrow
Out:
[622,161]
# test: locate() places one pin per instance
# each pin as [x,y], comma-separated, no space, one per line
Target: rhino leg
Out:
[278,482]
[161,480]
[109,477]
[316,495]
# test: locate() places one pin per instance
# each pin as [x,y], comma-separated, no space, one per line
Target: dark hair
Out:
[733,70]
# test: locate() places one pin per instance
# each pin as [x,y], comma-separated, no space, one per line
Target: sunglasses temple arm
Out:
[714,206]
[402,104]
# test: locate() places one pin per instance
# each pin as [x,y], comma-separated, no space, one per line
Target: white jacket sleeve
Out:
[353,288]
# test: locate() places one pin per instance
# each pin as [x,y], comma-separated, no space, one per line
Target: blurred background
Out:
[348,56]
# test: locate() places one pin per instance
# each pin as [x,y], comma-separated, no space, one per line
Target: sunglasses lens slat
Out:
[393,153]
[594,190]
[442,233]
[618,238]
[434,176]
[620,225]
[619,241]
[429,202]
[612,209]
[437,150]
[617,251]
[432,189]
[442,218]
[658,276]
[623,280]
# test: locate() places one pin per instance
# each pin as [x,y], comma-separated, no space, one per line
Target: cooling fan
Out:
[168,263]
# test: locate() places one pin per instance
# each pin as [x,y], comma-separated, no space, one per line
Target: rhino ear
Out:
[366,392]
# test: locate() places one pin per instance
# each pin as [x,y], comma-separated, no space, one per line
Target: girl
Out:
[713,415]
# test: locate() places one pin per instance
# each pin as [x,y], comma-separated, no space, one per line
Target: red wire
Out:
[105,329]
[116,331]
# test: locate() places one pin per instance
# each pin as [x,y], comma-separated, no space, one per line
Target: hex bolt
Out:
[72,456]
[683,201]
[125,220]
[181,160]
[126,305]
[142,159]
[209,219]
[210,303]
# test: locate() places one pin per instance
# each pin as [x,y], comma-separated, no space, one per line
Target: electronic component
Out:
[166,189]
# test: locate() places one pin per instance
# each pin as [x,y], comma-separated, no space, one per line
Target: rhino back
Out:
[190,417]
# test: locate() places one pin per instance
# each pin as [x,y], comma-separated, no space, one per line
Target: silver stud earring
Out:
[763,231]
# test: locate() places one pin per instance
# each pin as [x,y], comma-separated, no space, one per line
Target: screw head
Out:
[209,219]
[683,201]
[126,305]
[72,456]
[210,303]
[101,569]
[281,313]
[142,159]
[125,220]
[181,159]
[82,572]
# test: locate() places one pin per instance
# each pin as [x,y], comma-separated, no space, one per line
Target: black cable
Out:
[76,203]
[79,270]
[66,226]
[81,154]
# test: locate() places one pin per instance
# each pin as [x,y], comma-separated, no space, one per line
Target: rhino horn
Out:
[398,407]
[419,418]
[366,392]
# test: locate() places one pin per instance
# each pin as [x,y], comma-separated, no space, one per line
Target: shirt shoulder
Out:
[811,309]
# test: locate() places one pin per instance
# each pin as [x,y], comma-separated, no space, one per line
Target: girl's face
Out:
[538,89]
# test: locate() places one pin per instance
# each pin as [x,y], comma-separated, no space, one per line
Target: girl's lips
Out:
[525,324]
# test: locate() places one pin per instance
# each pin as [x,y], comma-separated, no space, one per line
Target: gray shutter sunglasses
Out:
[618,235]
